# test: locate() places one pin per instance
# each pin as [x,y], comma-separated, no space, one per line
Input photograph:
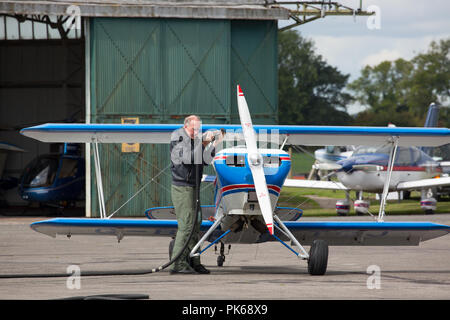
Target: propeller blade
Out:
[255,161]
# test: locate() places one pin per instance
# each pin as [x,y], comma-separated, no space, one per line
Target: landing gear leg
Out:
[318,253]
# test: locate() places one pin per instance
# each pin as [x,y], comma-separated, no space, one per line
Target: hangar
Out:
[122,61]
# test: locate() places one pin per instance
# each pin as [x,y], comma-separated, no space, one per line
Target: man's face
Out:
[192,128]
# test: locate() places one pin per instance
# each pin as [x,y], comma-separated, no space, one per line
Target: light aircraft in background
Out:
[367,170]
[247,188]
[333,154]
[54,179]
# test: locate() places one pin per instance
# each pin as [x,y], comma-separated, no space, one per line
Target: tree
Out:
[310,90]
[401,91]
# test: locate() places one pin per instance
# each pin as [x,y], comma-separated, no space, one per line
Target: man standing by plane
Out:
[188,149]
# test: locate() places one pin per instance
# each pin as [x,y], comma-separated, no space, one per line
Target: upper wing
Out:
[314,184]
[343,135]
[297,135]
[424,183]
[367,233]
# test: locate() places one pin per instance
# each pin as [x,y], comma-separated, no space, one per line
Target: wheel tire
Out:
[318,258]
[220,261]
[171,244]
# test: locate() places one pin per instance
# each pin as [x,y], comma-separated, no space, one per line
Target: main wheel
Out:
[318,258]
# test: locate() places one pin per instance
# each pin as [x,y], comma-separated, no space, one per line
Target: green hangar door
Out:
[160,71]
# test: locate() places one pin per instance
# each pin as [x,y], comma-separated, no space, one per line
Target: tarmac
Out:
[265,271]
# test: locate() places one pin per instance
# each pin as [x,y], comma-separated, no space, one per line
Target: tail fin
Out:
[430,122]
[432,116]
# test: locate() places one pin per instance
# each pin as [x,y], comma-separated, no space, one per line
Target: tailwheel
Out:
[318,258]
[221,257]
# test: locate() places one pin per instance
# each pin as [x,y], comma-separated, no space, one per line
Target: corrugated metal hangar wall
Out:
[161,70]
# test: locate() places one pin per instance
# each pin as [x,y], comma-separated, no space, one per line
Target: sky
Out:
[406,28]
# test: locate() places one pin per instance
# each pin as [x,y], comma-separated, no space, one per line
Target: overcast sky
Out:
[406,28]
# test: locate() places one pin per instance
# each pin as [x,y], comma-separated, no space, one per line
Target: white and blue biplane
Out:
[247,187]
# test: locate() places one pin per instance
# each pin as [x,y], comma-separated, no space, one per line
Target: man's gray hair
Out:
[190,118]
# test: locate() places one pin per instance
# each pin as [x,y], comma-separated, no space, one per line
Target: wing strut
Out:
[392,154]
[304,255]
[98,174]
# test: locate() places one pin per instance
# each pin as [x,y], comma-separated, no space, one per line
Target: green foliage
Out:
[401,91]
[301,162]
[310,90]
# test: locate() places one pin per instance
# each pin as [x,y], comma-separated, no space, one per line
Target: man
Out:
[186,151]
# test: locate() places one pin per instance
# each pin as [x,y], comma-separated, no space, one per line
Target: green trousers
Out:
[184,204]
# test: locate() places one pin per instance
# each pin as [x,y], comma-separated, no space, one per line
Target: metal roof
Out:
[195,9]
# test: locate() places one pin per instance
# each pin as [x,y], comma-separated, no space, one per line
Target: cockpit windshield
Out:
[41,172]
[404,155]
[386,149]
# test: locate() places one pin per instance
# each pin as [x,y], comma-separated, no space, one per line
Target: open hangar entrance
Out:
[42,79]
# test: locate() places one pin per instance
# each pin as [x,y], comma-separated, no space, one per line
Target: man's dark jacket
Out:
[183,152]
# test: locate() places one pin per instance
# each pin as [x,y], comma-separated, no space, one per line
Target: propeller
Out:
[255,161]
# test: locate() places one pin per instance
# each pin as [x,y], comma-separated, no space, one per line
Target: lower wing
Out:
[112,227]
[335,233]
[424,183]
[367,233]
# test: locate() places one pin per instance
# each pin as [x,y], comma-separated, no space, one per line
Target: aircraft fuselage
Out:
[235,195]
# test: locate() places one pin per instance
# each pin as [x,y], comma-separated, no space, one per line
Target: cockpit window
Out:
[403,157]
[271,161]
[235,160]
[415,155]
[69,168]
[41,172]
[239,161]
[372,149]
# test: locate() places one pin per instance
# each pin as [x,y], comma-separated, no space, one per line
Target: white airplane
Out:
[367,169]
[248,184]
[333,154]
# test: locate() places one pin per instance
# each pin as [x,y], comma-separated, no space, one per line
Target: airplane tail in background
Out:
[431,122]
[432,116]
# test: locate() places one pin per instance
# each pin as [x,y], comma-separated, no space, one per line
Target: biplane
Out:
[248,183]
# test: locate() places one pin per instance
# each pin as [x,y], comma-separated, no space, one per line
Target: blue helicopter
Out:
[55,179]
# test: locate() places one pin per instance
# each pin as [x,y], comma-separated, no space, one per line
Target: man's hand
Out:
[208,137]
[213,135]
